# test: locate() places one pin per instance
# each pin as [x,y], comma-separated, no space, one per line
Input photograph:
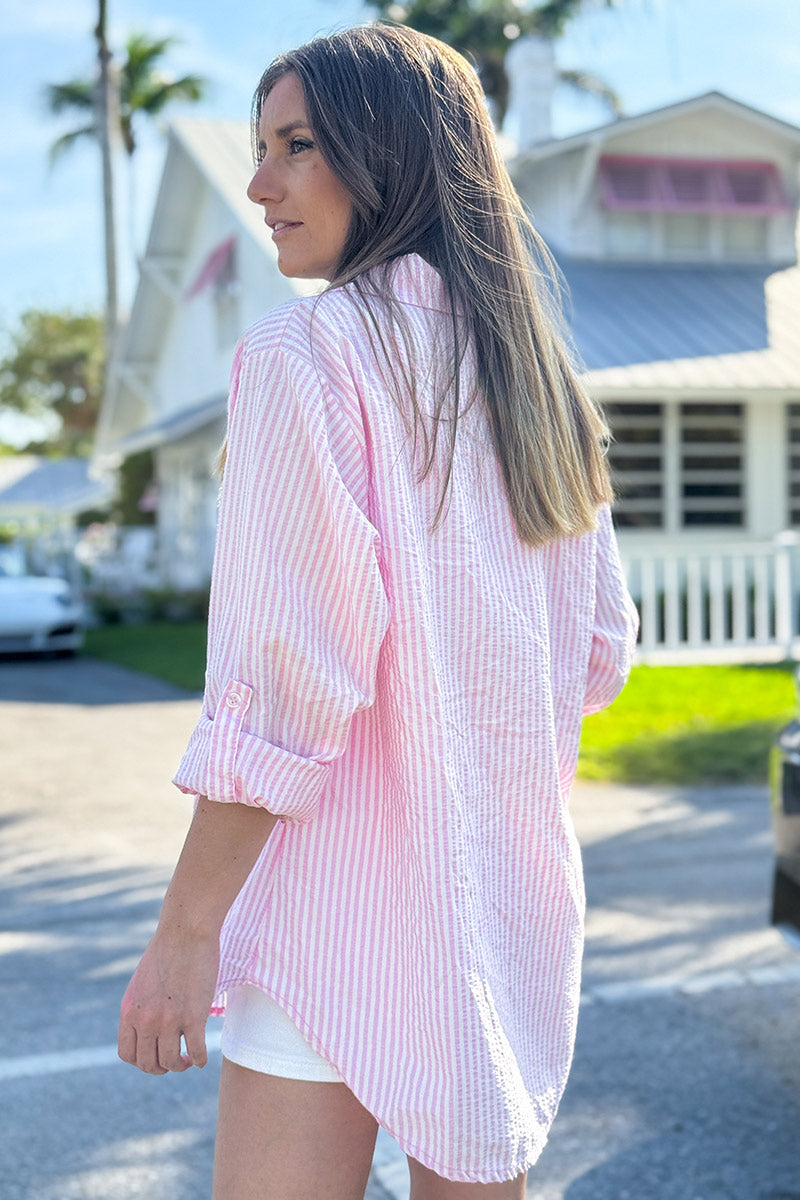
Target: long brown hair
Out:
[401,120]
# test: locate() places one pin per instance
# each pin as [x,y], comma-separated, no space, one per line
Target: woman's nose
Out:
[262,186]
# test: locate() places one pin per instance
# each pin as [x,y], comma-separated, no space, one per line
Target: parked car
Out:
[785,796]
[38,613]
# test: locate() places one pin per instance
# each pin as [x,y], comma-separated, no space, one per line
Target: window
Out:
[691,185]
[681,466]
[685,234]
[628,234]
[748,187]
[711,467]
[636,457]
[626,183]
[793,442]
[745,237]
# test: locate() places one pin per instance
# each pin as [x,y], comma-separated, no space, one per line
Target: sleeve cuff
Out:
[229,765]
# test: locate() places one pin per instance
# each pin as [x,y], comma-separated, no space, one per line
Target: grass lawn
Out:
[689,725]
[175,651]
[681,725]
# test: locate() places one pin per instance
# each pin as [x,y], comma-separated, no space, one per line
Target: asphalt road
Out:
[686,1082]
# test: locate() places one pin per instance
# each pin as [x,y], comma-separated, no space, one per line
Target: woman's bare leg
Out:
[286,1139]
[427,1185]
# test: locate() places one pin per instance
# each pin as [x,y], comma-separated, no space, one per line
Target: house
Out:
[674,232]
[41,503]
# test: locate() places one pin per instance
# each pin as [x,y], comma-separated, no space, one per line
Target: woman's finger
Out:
[169,1053]
[147,1055]
[126,1043]
[196,1051]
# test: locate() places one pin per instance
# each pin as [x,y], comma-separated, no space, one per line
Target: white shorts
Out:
[258,1034]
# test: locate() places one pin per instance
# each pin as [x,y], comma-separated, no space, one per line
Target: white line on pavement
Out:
[74,1060]
[618,992]
[691,985]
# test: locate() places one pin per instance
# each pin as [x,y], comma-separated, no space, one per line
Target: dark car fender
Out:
[785,799]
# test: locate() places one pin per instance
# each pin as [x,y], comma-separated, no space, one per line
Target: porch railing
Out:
[735,604]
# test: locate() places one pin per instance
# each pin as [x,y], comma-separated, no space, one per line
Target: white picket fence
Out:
[736,604]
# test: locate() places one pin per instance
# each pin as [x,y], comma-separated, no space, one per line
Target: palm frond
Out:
[588,84]
[141,52]
[74,94]
[163,91]
[551,19]
[67,140]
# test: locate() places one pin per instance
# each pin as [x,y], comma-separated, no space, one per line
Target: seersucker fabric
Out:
[409,702]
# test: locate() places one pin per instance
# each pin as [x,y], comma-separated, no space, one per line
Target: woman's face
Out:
[307,208]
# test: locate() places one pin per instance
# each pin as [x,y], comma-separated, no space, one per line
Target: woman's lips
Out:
[282,227]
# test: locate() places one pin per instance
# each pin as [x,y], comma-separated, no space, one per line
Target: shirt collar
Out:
[415,281]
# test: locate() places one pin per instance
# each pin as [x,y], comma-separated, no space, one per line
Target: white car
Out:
[38,613]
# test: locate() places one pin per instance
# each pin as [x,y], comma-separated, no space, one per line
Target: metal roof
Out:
[32,484]
[670,326]
[174,426]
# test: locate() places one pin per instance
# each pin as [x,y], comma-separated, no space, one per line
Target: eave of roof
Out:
[600,133]
[173,427]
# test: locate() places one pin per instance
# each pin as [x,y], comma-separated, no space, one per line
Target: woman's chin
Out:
[291,268]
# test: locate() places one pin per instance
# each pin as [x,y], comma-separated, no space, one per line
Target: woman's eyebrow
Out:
[285,130]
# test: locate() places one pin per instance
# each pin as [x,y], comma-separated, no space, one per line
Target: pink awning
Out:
[212,268]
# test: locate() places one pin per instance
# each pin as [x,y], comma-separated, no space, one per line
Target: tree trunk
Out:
[105,107]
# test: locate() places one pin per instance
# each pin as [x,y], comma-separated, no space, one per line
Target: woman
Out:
[416,594]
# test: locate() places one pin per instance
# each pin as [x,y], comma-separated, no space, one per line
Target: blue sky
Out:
[652,52]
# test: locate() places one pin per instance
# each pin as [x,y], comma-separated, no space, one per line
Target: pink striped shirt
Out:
[409,702]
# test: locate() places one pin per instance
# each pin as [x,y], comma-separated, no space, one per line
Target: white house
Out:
[675,234]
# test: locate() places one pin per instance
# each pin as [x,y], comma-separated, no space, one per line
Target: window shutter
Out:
[711,465]
[636,458]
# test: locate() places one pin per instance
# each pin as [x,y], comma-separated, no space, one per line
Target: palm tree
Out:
[135,87]
[140,86]
[484,30]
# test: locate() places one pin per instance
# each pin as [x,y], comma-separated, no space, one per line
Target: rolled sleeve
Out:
[616,624]
[226,763]
[298,606]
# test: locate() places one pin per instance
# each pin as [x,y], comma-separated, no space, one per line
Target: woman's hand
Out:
[168,997]
[173,987]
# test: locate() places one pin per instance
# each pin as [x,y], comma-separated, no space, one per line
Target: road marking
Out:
[24,1067]
[620,992]
[625,990]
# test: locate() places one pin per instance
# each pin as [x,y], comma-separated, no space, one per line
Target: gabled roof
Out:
[218,154]
[221,152]
[708,100]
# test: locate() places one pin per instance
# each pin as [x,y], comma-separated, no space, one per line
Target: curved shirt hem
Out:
[493,1175]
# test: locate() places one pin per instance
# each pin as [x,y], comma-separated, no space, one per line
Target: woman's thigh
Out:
[288,1139]
[427,1185]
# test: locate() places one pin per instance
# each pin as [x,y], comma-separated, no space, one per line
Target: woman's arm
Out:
[297,618]
[616,623]
[172,989]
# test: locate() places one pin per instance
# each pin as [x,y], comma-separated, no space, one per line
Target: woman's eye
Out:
[296,145]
